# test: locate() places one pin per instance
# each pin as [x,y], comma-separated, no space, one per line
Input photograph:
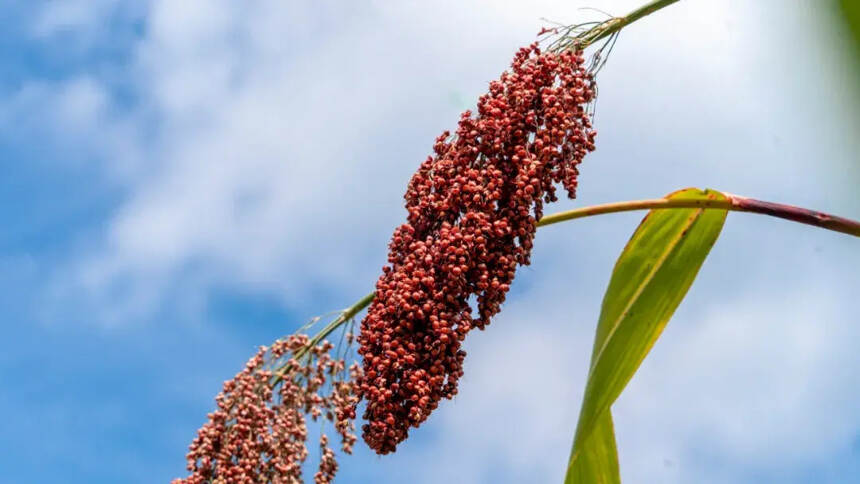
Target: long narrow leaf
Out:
[650,279]
[597,462]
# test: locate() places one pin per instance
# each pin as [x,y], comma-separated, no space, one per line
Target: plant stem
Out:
[734,203]
[337,322]
[615,24]
[795,214]
[345,316]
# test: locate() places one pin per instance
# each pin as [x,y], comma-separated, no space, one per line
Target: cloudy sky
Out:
[183,181]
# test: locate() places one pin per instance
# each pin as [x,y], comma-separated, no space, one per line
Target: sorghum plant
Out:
[473,208]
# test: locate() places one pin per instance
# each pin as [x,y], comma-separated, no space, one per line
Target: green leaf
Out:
[598,461]
[650,279]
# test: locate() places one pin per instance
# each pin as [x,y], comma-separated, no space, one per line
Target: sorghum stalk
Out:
[732,202]
[577,37]
[615,24]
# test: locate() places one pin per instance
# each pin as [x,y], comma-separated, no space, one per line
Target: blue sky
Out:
[183,181]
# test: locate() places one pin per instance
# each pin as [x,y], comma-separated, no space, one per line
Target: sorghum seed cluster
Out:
[259,431]
[472,213]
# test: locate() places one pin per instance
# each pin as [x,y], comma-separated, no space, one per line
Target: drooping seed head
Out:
[472,211]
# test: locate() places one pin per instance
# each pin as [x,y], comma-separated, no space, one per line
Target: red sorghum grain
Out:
[472,213]
[259,430]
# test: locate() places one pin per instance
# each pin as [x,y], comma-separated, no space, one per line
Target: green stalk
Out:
[615,24]
[734,203]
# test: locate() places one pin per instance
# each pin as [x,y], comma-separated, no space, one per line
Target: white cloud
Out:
[75,104]
[74,121]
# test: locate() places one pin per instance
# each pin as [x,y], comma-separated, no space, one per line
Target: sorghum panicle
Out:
[259,430]
[472,213]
